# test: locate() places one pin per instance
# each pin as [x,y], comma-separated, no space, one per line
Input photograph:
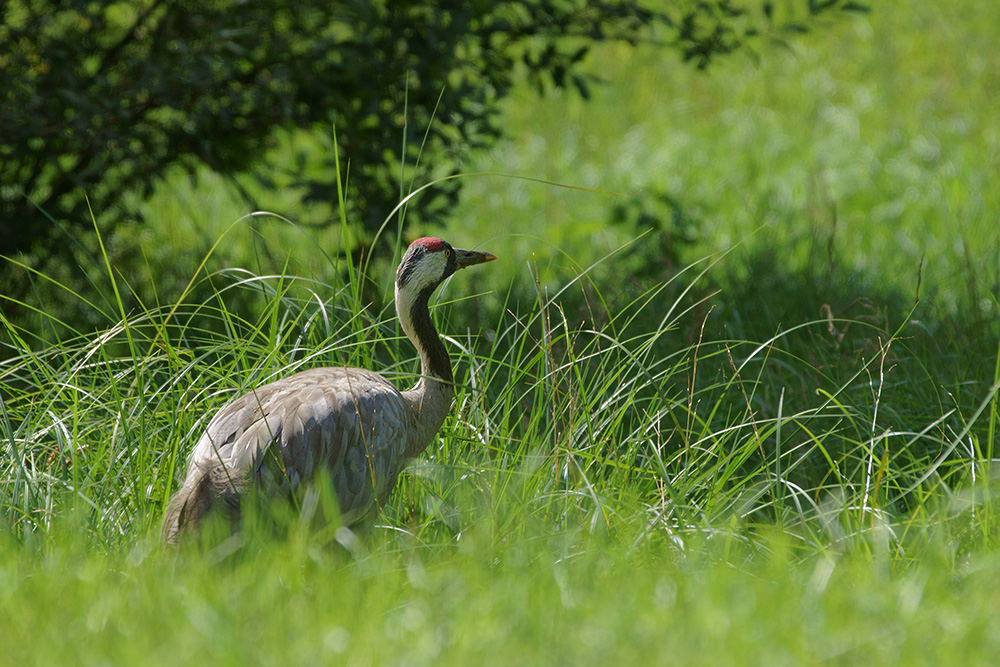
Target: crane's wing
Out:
[348,421]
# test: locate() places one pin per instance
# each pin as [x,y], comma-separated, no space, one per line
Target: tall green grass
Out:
[593,418]
[602,489]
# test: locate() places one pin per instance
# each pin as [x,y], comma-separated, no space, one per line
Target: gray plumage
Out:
[351,422]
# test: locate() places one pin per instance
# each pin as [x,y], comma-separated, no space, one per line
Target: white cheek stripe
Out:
[404,305]
[427,272]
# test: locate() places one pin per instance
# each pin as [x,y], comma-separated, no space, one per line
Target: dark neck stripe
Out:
[406,267]
[439,364]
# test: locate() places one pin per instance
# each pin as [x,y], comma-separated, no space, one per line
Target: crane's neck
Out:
[430,399]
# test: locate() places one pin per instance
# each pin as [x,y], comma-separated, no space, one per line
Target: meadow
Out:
[736,400]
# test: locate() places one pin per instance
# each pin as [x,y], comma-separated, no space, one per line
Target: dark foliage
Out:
[98,98]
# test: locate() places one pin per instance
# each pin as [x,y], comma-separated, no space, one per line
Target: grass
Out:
[552,600]
[597,493]
[664,451]
[868,145]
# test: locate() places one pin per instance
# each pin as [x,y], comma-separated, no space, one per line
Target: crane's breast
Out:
[350,422]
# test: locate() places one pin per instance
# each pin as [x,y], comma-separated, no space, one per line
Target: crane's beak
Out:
[466,258]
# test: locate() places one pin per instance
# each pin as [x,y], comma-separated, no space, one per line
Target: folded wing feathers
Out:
[349,421]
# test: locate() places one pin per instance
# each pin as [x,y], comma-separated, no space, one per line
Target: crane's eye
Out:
[447,252]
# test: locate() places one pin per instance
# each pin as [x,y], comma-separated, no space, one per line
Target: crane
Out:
[350,422]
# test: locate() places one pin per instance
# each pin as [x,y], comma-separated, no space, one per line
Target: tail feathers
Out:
[204,490]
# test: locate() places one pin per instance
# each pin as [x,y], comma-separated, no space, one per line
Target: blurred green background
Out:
[861,158]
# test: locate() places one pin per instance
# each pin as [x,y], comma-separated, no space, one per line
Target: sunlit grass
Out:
[869,145]
[602,488]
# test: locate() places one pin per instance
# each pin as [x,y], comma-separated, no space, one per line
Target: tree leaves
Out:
[100,98]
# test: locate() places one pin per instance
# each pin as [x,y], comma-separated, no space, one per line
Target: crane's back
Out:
[350,422]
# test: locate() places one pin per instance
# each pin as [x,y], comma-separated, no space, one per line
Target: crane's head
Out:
[429,260]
